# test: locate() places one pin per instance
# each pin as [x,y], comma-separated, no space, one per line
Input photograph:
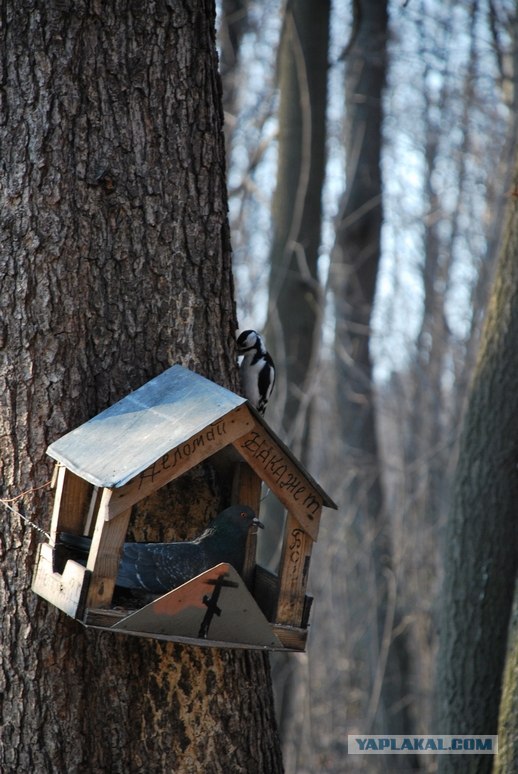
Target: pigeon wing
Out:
[224,546]
[160,567]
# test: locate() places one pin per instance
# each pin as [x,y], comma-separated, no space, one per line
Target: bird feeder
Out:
[126,453]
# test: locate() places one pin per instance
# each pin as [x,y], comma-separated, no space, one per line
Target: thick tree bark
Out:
[480,539]
[115,263]
[507,760]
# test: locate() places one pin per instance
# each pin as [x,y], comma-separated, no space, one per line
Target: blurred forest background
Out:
[370,152]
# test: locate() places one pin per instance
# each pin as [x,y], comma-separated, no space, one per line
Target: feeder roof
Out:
[122,441]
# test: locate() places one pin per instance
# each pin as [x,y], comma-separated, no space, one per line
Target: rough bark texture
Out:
[507,760]
[115,263]
[480,540]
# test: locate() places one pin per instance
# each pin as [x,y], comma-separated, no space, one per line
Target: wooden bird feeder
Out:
[151,437]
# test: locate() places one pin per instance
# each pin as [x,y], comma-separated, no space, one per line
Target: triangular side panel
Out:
[215,606]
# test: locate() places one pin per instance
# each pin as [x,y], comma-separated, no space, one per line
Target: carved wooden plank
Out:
[64,591]
[71,499]
[246,490]
[284,477]
[105,552]
[182,458]
[293,573]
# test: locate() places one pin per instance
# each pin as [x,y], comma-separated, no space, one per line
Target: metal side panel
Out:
[215,607]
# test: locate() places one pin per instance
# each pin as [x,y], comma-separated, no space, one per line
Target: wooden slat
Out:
[246,490]
[70,503]
[104,618]
[293,573]
[65,591]
[95,499]
[182,458]
[105,551]
[286,480]
[291,637]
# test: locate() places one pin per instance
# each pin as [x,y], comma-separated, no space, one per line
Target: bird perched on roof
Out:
[257,369]
[160,567]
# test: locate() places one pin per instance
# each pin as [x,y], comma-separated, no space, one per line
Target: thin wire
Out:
[27,491]
[6,503]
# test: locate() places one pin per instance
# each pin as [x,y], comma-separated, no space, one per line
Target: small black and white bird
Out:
[160,567]
[257,369]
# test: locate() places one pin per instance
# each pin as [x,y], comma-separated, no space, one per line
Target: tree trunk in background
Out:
[380,659]
[480,540]
[295,298]
[234,24]
[295,294]
[115,263]
[507,760]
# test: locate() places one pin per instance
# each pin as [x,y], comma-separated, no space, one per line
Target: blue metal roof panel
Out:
[122,441]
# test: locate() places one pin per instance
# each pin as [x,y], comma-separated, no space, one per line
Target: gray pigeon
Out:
[160,567]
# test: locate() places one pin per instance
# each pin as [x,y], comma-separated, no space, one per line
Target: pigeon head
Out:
[236,520]
[224,540]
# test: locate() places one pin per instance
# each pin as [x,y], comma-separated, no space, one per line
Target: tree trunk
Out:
[381,660]
[480,539]
[234,24]
[115,263]
[507,760]
[294,303]
[295,296]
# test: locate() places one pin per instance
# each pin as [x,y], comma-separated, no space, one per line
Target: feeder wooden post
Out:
[105,551]
[70,503]
[293,573]
[246,490]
